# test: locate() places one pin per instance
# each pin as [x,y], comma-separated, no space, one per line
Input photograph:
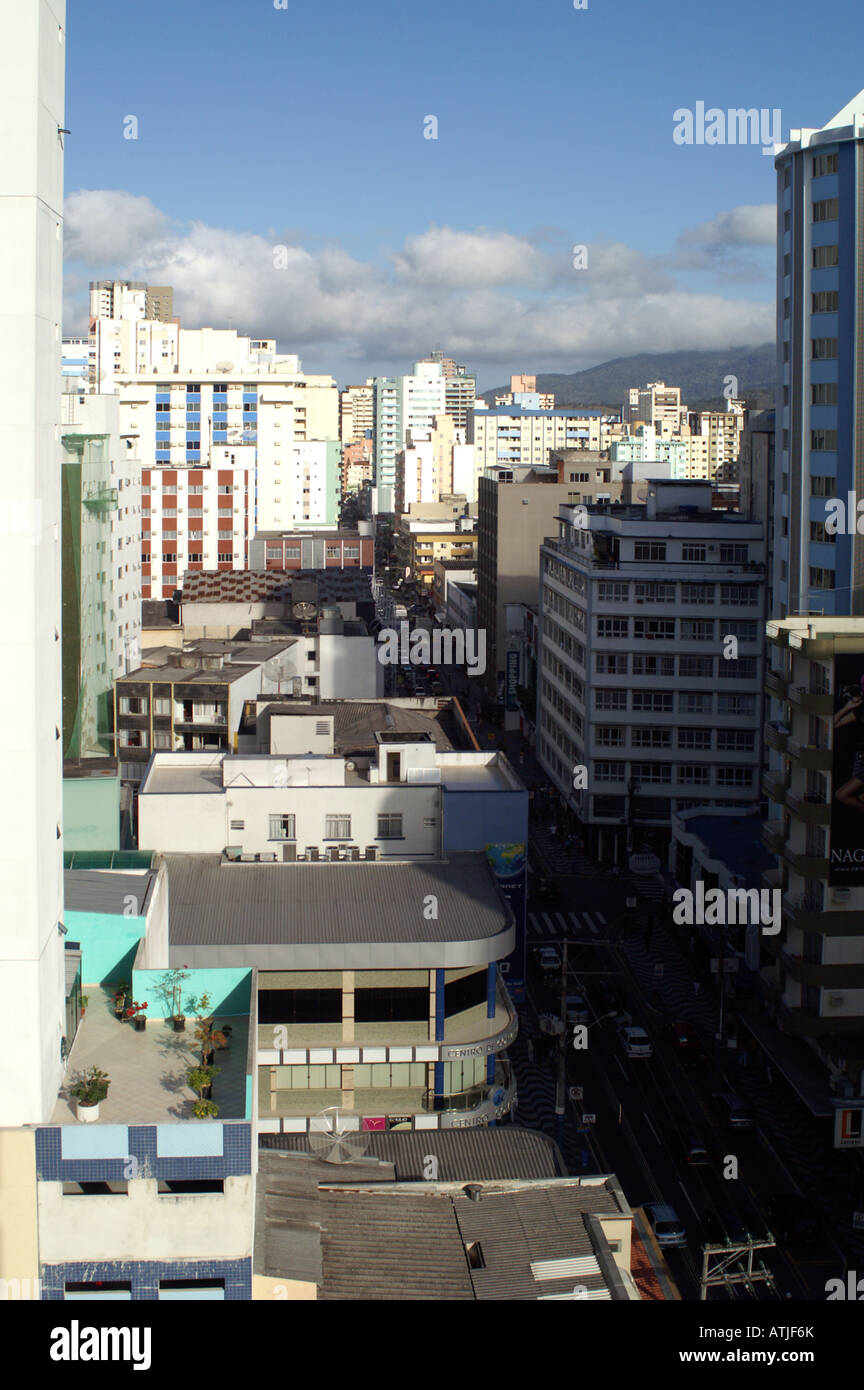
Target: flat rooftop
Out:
[339,916]
[107,891]
[357,722]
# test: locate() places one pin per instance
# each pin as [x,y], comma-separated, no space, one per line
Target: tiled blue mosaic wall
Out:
[144,1276]
[235,1159]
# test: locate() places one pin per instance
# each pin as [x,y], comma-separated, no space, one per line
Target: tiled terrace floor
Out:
[148,1070]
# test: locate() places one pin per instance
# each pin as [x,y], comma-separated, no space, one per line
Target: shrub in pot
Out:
[205,1110]
[207,1036]
[136,1013]
[200,1079]
[170,988]
[89,1088]
[121,994]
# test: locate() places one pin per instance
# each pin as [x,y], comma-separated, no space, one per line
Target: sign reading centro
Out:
[480,1049]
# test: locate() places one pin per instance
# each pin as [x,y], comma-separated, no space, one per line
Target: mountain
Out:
[699,374]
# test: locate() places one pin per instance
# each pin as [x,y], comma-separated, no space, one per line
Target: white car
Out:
[549,958]
[577,1009]
[666,1224]
[635,1041]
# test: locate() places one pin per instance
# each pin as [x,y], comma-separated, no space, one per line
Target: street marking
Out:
[563,920]
[574,918]
[621,1069]
[549,925]
[600,918]
[651,1127]
[687,1195]
[595,931]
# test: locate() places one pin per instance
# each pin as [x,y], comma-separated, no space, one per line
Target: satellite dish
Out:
[330,1139]
[224,366]
[303,610]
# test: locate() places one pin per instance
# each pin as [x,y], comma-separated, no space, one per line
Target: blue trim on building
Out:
[144,1276]
[236,1159]
[491,982]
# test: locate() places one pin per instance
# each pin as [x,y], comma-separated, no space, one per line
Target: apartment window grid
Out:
[389,827]
[337,827]
[282,827]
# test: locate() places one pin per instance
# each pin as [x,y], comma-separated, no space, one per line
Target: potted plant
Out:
[200,1079]
[89,1088]
[135,1011]
[120,996]
[170,987]
[205,1110]
[84,1002]
[207,1036]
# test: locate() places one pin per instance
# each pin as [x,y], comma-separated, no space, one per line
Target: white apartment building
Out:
[816,971]
[356,411]
[655,404]
[404,405]
[640,686]
[514,435]
[301,485]
[281,806]
[195,519]
[32,984]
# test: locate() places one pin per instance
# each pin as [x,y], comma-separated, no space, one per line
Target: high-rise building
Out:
[650,665]
[460,388]
[524,436]
[32,973]
[404,404]
[131,299]
[655,404]
[357,412]
[820,402]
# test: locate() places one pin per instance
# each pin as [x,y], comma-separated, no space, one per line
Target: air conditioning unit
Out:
[839,895]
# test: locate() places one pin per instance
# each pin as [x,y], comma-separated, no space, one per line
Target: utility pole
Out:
[561,1086]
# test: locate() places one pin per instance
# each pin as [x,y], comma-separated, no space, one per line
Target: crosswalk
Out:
[562,924]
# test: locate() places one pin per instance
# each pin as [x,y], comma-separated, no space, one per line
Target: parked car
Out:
[666,1224]
[734,1110]
[635,1041]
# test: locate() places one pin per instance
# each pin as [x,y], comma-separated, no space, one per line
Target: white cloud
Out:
[488,297]
[742,226]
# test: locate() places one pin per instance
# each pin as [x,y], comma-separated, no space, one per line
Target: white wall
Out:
[32,64]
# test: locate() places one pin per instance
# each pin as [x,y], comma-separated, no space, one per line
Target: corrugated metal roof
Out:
[104,890]
[215,903]
[463,1155]
[392,1247]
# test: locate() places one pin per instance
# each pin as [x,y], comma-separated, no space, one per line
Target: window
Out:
[739,595]
[694,738]
[100,1290]
[161,739]
[825,302]
[333,552]
[823,349]
[737,740]
[95,1189]
[609,771]
[733,554]
[823,440]
[656,700]
[693,554]
[281,827]
[823,486]
[825,256]
[823,393]
[821,578]
[694,702]
[161,705]
[651,772]
[352,552]
[649,550]
[651,738]
[654,629]
[609,735]
[655,593]
[697,630]
[611,591]
[337,828]
[613,627]
[133,704]
[653,665]
[820,535]
[741,705]
[189,1187]
[610,699]
[610,663]
[824,164]
[745,632]
[734,777]
[697,593]
[826,210]
[698,775]
[389,828]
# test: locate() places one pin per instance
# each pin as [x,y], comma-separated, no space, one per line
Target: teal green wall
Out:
[230,989]
[109,944]
[91,813]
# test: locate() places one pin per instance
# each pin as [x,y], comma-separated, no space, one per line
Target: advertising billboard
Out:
[846,867]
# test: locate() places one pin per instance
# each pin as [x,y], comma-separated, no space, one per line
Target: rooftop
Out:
[464,1155]
[107,891]
[336,916]
[255,586]
[356,722]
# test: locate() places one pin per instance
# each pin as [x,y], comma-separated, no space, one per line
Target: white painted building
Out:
[404,405]
[516,436]
[32,987]
[638,683]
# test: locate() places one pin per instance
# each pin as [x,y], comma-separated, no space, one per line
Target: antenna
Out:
[331,1140]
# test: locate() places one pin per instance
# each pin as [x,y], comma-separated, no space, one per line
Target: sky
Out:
[284,180]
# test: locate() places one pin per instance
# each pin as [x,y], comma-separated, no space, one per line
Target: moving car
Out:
[577,1009]
[635,1041]
[549,958]
[684,1039]
[666,1224]
[691,1149]
[735,1111]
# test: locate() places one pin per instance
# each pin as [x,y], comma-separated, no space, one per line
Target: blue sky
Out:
[303,128]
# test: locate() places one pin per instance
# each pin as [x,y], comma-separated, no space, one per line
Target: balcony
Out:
[806,916]
[811,701]
[809,756]
[807,865]
[814,972]
[777,685]
[774,787]
[776,735]
[100,501]
[808,807]
[772,836]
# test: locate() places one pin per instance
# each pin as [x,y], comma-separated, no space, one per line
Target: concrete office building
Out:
[819,402]
[32,976]
[639,684]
